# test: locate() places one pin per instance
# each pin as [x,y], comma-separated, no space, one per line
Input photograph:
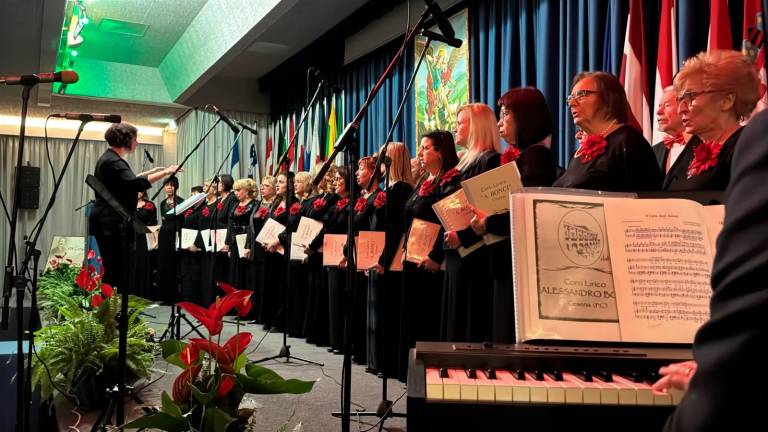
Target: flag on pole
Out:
[633,76]
[301,138]
[268,164]
[333,128]
[666,62]
[753,45]
[719,26]
[292,142]
[315,153]
[235,158]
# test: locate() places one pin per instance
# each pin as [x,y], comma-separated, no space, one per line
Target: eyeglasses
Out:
[689,96]
[503,112]
[578,96]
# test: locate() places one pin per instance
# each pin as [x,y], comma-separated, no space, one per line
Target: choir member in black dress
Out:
[116,175]
[716,91]
[612,156]
[316,324]
[227,201]
[274,289]
[146,260]
[257,253]
[467,310]
[385,286]
[167,261]
[207,223]
[335,222]
[237,224]
[422,283]
[525,123]
[190,258]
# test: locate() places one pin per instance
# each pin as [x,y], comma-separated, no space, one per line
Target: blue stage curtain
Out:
[359,78]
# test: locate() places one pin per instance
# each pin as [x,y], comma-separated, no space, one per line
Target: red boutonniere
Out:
[148,205]
[704,157]
[239,210]
[262,213]
[278,211]
[427,187]
[361,204]
[206,211]
[448,176]
[342,203]
[219,206]
[669,140]
[380,200]
[319,204]
[188,213]
[511,154]
[295,209]
[591,146]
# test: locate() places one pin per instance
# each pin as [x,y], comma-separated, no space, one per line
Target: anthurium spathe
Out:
[212,317]
[243,308]
[225,355]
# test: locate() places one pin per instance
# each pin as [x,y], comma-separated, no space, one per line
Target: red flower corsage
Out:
[148,205]
[448,176]
[295,209]
[219,206]
[278,211]
[427,187]
[591,146]
[704,157]
[361,204]
[262,213]
[206,211]
[342,203]
[319,204]
[511,154]
[380,200]
[188,213]
[240,210]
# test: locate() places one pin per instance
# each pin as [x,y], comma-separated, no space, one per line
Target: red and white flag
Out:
[269,165]
[753,45]
[719,26]
[633,73]
[666,62]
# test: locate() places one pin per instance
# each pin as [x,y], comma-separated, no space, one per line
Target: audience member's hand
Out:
[430,265]
[675,376]
[452,239]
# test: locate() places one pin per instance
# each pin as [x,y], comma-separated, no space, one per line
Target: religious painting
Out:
[442,82]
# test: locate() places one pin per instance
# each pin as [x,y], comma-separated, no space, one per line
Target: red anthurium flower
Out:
[91,254]
[181,389]
[106,289]
[227,383]
[85,281]
[189,354]
[244,307]
[225,355]
[53,262]
[97,300]
[212,317]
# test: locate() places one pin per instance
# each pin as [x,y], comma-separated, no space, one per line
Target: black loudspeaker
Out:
[29,182]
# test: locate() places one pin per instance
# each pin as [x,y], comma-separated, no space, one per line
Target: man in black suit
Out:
[673,147]
[727,386]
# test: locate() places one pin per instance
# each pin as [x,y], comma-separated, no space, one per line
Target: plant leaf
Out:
[260,380]
[171,350]
[169,407]
[204,398]
[159,420]
[240,362]
[216,420]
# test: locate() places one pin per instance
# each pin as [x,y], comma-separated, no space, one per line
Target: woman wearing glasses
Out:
[612,156]
[715,92]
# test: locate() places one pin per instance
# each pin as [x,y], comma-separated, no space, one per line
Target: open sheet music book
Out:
[611,268]
[489,192]
[455,215]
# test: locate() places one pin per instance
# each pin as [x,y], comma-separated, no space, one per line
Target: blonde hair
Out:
[483,133]
[327,178]
[724,70]
[400,170]
[304,177]
[248,184]
[270,180]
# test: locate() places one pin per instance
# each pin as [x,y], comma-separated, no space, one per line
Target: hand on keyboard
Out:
[675,376]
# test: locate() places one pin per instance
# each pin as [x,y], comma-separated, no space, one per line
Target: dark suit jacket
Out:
[660,151]
[728,390]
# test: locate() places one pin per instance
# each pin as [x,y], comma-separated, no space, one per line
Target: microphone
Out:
[452,41]
[248,128]
[149,156]
[226,119]
[64,77]
[109,118]
[316,72]
[442,22]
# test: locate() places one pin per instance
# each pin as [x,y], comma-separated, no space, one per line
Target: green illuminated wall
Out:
[118,81]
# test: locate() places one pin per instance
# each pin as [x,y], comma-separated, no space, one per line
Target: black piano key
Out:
[471,373]
[520,374]
[443,372]
[604,375]
[556,375]
[491,373]
[634,376]
[539,375]
[585,376]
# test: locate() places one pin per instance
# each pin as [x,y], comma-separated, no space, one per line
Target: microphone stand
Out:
[346,143]
[285,350]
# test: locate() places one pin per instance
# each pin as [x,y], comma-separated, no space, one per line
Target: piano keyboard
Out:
[461,386]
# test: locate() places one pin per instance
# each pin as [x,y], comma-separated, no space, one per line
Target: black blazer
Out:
[728,390]
[715,178]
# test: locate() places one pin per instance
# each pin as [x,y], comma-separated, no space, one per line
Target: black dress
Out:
[421,290]
[191,261]
[385,290]
[256,264]
[206,221]
[167,261]
[221,260]
[296,288]
[715,178]
[104,222]
[275,314]
[239,219]
[537,168]
[360,332]
[628,164]
[146,260]
[467,304]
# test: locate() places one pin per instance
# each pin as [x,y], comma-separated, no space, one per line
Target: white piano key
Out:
[468,386]
[590,392]
[486,390]
[538,389]
[521,391]
[434,384]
